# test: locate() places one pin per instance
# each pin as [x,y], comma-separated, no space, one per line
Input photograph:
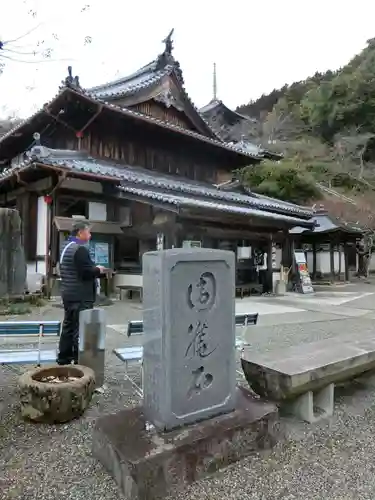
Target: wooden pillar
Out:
[314,270]
[269,274]
[169,239]
[285,250]
[170,235]
[346,260]
[21,205]
[48,250]
[332,260]
[55,238]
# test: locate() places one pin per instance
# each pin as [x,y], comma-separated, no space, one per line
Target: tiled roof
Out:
[181,201]
[325,224]
[250,147]
[143,78]
[29,118]
[224,126]
[167,189]
[137,177]
[146,77]
[217,106]
[140,116]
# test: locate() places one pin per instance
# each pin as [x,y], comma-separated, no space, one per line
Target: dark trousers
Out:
[68,345]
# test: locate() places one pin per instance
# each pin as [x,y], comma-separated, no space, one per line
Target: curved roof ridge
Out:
[147,67]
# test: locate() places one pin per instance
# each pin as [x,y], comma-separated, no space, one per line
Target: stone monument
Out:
[193,419]
[188,320]
[12,256]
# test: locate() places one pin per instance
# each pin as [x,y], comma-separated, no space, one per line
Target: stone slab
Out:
[289,372]
[148,465]
[189,335]
[92,327]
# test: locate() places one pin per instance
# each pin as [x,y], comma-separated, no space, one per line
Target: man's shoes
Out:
[63,363]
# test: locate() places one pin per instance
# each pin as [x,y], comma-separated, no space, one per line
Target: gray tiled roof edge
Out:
[79,161]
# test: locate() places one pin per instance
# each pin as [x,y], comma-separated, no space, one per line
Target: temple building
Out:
[234,127]
[136,158]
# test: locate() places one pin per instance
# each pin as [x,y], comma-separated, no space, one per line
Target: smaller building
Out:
[330,247]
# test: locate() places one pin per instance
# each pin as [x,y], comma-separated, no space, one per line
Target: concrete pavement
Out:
[332,460]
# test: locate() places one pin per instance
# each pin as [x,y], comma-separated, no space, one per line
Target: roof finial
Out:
[168,43]
[215,83]
[70,80]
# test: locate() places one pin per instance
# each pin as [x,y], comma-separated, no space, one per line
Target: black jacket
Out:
[78,274]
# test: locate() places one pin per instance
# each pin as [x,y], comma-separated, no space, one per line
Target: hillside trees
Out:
[285,181]
[324,126]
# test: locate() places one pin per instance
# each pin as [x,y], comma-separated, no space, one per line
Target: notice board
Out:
[303,275]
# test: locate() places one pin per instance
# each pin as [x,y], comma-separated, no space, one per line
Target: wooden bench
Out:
[134,355]
[302,377]
[30,331]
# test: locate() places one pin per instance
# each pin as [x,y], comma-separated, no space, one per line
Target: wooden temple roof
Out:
[44,116]
[171,191]
[224,121]
[217,107]
[161,80]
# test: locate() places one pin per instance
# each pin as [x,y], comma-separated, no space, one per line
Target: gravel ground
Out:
[332,460]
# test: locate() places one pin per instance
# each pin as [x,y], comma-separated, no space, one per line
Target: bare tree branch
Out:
[24,35]
[11,51]
[351,146]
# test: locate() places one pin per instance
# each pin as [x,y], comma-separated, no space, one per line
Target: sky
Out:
[257,46]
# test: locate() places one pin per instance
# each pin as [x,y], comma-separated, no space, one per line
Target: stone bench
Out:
[302,377]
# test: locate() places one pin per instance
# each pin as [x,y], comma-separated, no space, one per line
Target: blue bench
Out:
[30,330]
[136,327]
[134,355]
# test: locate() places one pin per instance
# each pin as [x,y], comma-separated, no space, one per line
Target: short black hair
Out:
[79,225]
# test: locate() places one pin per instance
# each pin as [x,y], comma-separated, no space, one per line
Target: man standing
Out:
[78,288]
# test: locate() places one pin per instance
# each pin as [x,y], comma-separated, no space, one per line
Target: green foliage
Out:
[292,94]
[324,126]
[284,180]
[348,100]
[328,102]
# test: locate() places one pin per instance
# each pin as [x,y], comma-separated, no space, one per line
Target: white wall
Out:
[97,211]
[36,267]
[323,262]
[41,241]
[275,278]
[372,262]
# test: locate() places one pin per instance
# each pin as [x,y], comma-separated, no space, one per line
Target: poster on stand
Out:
[305,285]
[99,253]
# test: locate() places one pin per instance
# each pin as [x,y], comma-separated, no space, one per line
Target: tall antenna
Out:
[215,83]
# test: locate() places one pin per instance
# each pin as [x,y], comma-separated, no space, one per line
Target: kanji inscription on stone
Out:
[189,353]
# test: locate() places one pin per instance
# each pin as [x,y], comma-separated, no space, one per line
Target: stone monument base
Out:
[150,465]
